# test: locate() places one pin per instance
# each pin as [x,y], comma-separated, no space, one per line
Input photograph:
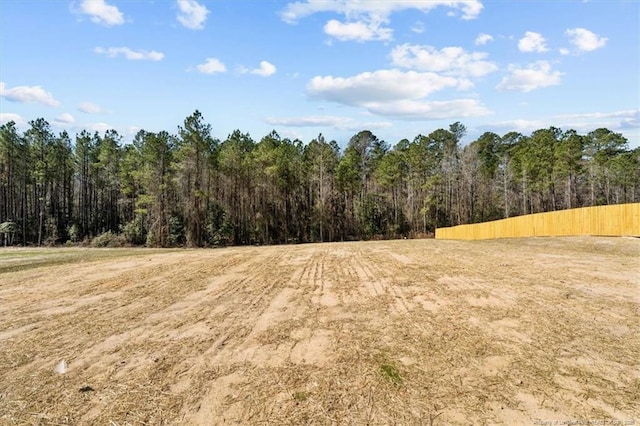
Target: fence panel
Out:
[613,220]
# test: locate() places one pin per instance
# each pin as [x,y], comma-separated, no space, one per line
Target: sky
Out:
[397,68]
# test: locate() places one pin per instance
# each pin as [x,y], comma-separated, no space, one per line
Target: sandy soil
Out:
[523,331]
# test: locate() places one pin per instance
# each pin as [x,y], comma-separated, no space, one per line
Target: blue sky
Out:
[397,68]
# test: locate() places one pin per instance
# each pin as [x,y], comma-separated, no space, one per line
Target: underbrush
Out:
[110,240]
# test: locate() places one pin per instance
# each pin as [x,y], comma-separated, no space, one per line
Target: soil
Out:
[431,332]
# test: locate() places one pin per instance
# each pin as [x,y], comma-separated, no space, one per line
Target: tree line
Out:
[190,189]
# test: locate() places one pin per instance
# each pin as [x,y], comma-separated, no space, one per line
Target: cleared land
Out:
[393,332]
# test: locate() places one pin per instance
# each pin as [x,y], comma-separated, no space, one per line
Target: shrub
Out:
[8,231]
[176,231]
[109,239]
[134,231]
[74,233]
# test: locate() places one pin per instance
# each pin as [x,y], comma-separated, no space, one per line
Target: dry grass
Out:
[395,332]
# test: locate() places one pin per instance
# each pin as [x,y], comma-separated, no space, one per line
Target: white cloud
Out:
[325,121]
[517,125]
[132,55]
[582,123]
[563,51]
[397,94]
[291,134]
[211,66]
[90,108]
[429,110]
[532,42]
[365,19]
[585,40]
[131,131]
[534,76]
[101,12]
[586,122]
[382,85]
[357,31]
[6,117]
[98,127]
[483,39]
[65,118]
[28,94]
[381,9]
[192,14]
[451,60]
[266,69]
[418,27]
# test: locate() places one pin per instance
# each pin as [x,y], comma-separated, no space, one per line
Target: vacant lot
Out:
[519,331]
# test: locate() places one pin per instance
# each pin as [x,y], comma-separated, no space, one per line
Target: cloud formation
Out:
[335,122]
[534,76]
[28,94]
[6,117]
[418,27]
[366,20]
[65,118]
[192,14]
[90,108]
[408,109]
[585,40]
[293,12]
[132,55]
[211,66]
[100,12]
[357,31]
[449,60]
[583,123]
[98,127]
[517,125]
[266,69]
[532,42]
[382,85]
[483,39]
[395,93]
[617,120]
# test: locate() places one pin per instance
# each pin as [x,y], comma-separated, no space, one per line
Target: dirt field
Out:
[425,332]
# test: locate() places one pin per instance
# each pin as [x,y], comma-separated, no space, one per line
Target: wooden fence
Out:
[613,220]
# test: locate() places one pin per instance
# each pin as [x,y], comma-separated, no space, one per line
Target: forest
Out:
[191,189]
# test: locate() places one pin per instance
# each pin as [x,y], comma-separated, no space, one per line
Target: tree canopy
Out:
[190,189]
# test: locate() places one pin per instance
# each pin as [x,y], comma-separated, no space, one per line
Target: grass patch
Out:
[15,260]
[300,396]
[391,373]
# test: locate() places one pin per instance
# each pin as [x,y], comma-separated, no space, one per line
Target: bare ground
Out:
[520,331]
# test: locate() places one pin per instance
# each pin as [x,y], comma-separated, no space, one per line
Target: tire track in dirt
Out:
[325,293]
[236,325]
[280,335]
[378,283]
[395,332]
[139,286]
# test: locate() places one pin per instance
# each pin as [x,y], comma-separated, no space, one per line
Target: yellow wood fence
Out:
[613,220]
